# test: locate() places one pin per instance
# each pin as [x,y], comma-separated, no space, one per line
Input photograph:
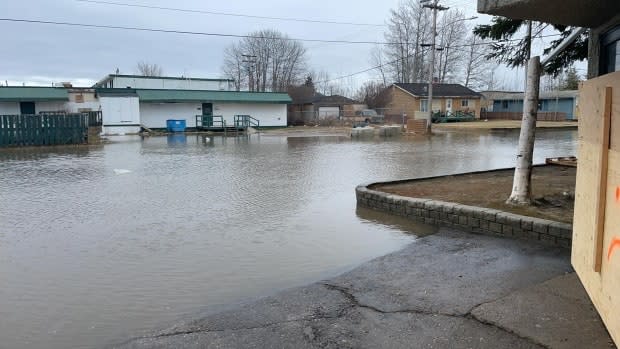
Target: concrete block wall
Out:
[472,219]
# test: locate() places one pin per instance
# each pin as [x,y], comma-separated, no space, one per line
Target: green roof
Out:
[18,93]
[211,96]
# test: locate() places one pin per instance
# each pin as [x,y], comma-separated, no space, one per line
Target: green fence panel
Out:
[44,129]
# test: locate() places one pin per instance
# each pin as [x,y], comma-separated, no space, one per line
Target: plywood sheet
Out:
[602,286]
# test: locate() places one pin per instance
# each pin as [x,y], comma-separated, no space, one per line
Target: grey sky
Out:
[42,54]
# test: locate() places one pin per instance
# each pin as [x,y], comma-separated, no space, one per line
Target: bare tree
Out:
[149,69]
[234,67]
[273,61]
[476,64]
[377,60]
[408,29]
[372,94]
[452,32]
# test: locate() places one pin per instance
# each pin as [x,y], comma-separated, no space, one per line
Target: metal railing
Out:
[245,121]
[210,122]
[457,116]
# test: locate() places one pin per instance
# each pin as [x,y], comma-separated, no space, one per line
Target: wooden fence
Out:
[541,115]
[44,129]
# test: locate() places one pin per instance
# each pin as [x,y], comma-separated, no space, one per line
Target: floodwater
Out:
[90,256]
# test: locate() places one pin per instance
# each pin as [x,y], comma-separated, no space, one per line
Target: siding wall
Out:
[154,115]
[170,84]
[268,114]
[562,105]
[9,108]
[51,106]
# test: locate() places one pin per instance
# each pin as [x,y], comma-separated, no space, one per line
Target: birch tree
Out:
[522,183]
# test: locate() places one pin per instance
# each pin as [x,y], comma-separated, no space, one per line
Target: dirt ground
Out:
[553,189]
[500,124]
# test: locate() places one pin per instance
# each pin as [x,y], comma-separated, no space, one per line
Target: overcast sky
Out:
[39,54]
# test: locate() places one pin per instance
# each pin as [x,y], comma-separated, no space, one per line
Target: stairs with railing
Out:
[217,123]
[245,121]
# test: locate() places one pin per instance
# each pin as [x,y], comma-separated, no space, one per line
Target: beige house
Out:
[412,99]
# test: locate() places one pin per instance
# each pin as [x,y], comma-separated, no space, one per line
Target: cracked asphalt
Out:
[447,290]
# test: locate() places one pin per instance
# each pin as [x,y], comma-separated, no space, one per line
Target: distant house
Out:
[308,105]
[562,103]
[36,100]
[412,99]
[129,102]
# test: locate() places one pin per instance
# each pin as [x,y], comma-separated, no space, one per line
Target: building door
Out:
[449,106]
[207,114]
[26,108]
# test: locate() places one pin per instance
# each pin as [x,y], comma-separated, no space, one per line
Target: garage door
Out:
[329,112]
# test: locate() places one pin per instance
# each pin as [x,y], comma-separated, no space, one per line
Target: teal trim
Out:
[32,94]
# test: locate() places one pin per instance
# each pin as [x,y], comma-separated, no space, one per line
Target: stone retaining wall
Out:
[473,219]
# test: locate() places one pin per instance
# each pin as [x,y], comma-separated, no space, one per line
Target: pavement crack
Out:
[473,317]
[356,303]
[207,330]
[469,315]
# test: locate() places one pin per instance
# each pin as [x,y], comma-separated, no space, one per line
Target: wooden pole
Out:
[522,186]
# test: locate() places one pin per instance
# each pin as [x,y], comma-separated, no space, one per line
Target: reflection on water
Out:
[89,256]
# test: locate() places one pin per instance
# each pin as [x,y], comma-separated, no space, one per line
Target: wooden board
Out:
[596,224]
[570,161]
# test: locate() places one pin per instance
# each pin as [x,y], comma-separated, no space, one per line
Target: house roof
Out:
[508,95]
[578,13]
[439,90]
[151,95]
[332,100]
[19,93]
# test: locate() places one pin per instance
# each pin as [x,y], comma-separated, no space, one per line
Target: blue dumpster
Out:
[175,125]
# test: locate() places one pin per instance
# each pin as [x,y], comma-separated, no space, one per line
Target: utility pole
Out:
[250,60]
[435,7]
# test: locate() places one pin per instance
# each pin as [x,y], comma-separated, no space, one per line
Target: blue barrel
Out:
[175,125]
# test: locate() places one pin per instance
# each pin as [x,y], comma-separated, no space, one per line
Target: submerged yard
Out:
[100,244]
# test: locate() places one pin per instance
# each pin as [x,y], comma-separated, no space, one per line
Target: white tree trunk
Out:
[521,185]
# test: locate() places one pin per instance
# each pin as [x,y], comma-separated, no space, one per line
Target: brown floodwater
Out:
[101,244]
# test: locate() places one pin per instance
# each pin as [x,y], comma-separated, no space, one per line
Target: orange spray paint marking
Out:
[615,243]
[618,194]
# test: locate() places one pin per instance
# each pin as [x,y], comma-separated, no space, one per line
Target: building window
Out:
[423,105]
[504,104]
[610,52]
[465,103]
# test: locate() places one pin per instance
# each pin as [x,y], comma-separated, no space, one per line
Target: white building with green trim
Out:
[130,102]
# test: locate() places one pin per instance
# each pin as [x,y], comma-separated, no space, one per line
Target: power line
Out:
[185,32]
[410,55]
[289,19]
[170,31]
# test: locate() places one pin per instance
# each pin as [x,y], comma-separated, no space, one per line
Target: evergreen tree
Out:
[571,80]
[514,53]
